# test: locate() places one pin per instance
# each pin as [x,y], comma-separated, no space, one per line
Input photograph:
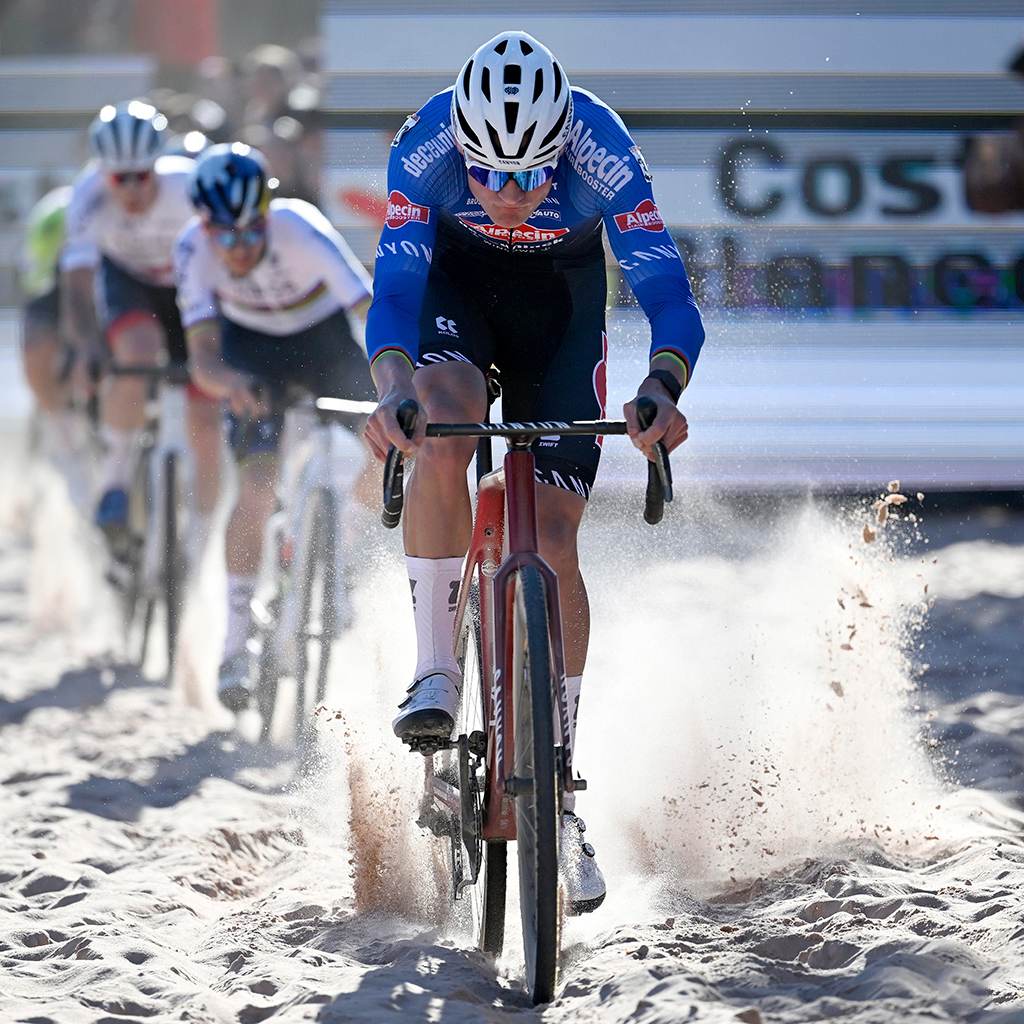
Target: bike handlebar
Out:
[172,373]
[659,473]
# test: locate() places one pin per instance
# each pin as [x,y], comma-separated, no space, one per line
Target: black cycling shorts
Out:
[324,359]
[543,329]
[121,296]
[43,312]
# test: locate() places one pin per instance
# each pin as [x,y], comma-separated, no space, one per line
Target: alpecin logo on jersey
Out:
[604,172]
[645,216]
[401,210]
[523,233]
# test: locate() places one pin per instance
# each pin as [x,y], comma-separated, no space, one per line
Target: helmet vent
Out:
[538,84]
[500,48]
[553,134]
[137,124]
[485,83]
[527,139]
[464,125]
[525,47]
[513,74]
[511,116]
[558,80]
[465,79]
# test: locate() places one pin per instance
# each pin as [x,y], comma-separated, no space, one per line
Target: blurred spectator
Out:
[994,163]
[281,117]
[217,80]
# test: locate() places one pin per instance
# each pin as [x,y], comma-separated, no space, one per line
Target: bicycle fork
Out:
[171,442]
[523,551]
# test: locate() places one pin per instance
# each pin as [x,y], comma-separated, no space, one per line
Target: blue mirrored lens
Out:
[495,181]
[529,180]
[229,239]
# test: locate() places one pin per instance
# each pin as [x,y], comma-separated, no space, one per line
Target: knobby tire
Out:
[318,567]
[535,771]
[172,567]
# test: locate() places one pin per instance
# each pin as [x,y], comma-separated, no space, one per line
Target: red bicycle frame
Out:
[513,492]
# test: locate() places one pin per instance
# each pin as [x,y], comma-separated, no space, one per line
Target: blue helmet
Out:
[231,185]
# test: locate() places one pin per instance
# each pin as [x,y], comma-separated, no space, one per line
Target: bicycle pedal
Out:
[427,745]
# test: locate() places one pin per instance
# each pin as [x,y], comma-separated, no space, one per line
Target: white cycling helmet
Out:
[128,136]
[512,106]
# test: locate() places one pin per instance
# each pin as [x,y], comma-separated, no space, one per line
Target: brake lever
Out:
[394,467]
[659,470]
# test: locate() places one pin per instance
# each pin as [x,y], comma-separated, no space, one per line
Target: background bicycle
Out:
[505,774]
[301,605]
[149,562]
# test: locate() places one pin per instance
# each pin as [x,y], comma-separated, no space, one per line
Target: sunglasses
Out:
[228,238]
[495,181]
[131,177]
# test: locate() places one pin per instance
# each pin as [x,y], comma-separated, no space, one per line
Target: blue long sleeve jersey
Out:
[601,178]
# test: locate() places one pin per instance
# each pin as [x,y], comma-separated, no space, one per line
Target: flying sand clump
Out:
[882,509]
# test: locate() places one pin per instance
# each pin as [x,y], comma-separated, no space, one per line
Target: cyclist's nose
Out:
[511,192]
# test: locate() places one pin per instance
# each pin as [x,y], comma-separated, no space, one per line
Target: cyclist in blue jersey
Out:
[492,254]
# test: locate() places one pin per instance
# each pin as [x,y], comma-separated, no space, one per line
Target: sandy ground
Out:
[805,792]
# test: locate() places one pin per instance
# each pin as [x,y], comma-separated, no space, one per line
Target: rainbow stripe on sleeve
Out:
[679,358]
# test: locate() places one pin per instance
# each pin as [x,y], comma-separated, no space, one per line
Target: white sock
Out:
[240,591]
[199,524]
[119,457]
[572,692]
[435,596]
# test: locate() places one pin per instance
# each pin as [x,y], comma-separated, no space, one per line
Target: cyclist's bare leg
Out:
[558,521]
[243,541]
[558,518]
[41,360]
[138,340]
[438,516]
[438,529]
[243,544]
[206,431]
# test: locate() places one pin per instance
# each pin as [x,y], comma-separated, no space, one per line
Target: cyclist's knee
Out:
[451,392]
[138,340]
[447,457]
[558,521]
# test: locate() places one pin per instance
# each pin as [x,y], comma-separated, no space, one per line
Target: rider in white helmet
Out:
[127,207]
[512,109]
[501,191]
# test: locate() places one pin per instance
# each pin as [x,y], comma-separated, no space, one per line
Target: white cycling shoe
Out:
[584,884]
[233,686]
[428,713]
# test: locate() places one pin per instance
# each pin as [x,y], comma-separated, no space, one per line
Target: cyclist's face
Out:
[134,191]
[239,250]
[511,206]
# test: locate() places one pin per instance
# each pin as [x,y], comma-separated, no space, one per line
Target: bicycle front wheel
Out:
[174,555]
[536,784]
[316,608]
